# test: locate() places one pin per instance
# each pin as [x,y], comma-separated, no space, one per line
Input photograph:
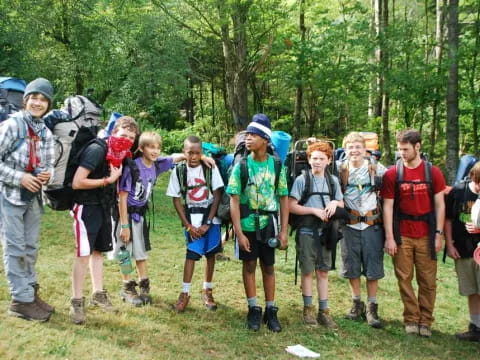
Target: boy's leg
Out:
[207,291]
[96,270]
[142,268]
[309,311]
[184,296]
[249,282]
[144,283]
[77,302]
[324,318]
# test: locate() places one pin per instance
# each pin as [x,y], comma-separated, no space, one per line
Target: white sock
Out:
[186,287]
[207,285]
[475,319]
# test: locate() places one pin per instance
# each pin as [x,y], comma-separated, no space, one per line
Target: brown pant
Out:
[416,252]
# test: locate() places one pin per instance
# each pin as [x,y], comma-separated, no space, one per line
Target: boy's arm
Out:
[439,199]
[213,210]
[451,249]
[210,162]
[122,208]
[390,244]
[283,235]
[243,242]
[82,182]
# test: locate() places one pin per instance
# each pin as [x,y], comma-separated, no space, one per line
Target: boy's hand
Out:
[44,176]
[453,252]
[195,233]
[390,246]
[243,242]
[204,229]
[210,162]
[125,235]
[283,240]
[320,213]
[115,173]
[472,229]
[31,183]
[331,207]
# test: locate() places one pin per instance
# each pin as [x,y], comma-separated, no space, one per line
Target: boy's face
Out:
[151,152]
[476,186]
[318,161]
[125,132]
[37,105]
[193,153]
[355,151]
[254,142]
[408,152]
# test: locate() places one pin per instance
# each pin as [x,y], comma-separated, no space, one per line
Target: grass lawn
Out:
[156,332]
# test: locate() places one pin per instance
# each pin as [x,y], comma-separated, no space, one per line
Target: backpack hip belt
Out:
[372,217]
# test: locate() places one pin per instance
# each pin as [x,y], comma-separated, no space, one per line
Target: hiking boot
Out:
[77,310]
[357,312]
[207,298]
[473,334]
[424,331]
[144,286]
[28,311]
[182,302]
[309,315]
[411,329]
[100,298]
[254,318]
[325,319]
[270,318]
[372,316]
[42,304]
[129,293]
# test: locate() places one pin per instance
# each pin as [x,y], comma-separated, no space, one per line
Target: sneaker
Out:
[309,315]
[207,298]
[325,319]
[473,334]
[357,312]
[372,316]
[77,310]
[129,293]
[144,286]
[42,304]
[182,302]
[411,329]
[270,318]
[28,311]
[100,298]
[424,331]
[254,318]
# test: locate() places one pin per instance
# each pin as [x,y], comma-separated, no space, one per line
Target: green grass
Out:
[156,332]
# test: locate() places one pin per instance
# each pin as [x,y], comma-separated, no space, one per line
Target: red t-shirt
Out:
[414,198]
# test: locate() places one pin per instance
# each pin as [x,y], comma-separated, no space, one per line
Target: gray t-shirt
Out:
[319,185]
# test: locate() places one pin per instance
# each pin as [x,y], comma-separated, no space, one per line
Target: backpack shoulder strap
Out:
[243,173]
[181,171]
[307,189]
[207,173]
[344,175]
[134,170]
[278,168]
[330,184]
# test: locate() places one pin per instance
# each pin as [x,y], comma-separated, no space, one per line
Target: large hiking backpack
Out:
[81,112]
[73,128]
[240,156]
[11,96]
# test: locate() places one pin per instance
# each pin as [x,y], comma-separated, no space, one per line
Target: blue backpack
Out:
[11,96]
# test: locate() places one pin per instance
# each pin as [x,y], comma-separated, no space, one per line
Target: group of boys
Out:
[410,229]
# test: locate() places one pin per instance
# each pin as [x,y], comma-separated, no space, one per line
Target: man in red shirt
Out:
[413,216]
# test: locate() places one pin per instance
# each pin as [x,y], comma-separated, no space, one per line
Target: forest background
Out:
[319,68]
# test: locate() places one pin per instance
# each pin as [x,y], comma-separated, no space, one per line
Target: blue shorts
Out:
[208,245]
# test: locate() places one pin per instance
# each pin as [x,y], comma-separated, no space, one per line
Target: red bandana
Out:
[118,149]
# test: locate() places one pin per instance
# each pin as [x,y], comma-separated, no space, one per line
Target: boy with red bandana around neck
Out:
[94,197]
[26,164]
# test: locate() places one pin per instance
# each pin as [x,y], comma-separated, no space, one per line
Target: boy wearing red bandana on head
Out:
[94,185]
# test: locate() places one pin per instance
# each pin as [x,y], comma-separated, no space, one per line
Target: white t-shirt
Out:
[199,196]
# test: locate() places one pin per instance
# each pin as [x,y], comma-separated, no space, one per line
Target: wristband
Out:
[188,229]
[125,226]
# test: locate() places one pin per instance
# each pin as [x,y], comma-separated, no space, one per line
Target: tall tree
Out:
[452,91]
[297,114]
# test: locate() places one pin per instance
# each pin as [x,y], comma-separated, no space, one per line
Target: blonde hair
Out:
[352,137]
[149,138]
[474,173]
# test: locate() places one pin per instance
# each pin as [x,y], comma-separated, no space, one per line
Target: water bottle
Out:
[125,261]
[25,194]
[273,242]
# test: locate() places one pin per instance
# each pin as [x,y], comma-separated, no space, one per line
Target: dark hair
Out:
[192,139]
[410,136]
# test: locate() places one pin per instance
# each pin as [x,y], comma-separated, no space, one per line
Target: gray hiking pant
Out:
[19,232]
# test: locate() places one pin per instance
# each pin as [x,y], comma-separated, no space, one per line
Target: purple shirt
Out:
[139,193]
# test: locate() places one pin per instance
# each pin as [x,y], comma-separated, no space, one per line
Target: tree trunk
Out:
[377,103]
[440,17]
[384,58]
[472,76]
[452,91]
[297,114]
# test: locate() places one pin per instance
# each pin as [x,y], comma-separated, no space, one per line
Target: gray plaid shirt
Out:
[14,152]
